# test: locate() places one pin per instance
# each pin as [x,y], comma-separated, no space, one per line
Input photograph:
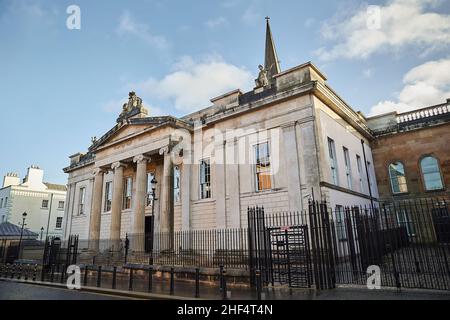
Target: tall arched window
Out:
[397,177]
[432,178]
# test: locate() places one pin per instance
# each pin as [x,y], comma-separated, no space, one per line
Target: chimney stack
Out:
[11,179]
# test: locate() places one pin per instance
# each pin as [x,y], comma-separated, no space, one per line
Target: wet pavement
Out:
[22,291]
[14,291]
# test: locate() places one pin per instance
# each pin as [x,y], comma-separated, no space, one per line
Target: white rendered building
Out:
[43,202]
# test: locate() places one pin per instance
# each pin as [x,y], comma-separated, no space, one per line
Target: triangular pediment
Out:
[134,127]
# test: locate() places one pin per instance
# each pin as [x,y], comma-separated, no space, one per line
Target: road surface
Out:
[22,291]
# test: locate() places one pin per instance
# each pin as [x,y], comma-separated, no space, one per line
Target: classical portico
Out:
[129,155]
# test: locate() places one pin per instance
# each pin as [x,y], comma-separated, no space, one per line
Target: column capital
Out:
[98,171]
[141,158]
[164,150]
[117,165]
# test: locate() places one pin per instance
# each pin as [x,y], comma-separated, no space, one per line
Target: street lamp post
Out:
[42,233]
[153,183]
[24,216]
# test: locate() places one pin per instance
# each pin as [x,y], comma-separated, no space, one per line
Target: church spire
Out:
[271,63]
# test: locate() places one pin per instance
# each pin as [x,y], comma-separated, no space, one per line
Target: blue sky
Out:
[60,87]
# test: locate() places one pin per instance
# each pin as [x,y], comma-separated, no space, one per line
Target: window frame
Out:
[59,204]
[59,220]
[257,173]
[127,200]
[108,196]
[333,161]
[348,168]
[208,193]
[81,200]
[360,173]
[439,170]
[404,174]
[177,189]
[341,226]
[42,204]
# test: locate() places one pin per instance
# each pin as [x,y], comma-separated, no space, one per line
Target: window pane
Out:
[205,179]
[397,177]
[262,167]
[431,174]
[176,184]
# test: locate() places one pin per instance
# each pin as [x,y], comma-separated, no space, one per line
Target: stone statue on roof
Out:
[262,80]
[133,107]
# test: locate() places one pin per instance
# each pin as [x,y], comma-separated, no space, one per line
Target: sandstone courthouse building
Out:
[289,140]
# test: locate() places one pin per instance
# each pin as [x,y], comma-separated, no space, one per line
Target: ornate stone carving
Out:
[262,80]
[164,150]
[140,158]
[98,171]
[117,165]
[132,107]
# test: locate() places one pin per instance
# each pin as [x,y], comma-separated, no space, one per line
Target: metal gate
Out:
[281,254]
[57,252]
[291,260]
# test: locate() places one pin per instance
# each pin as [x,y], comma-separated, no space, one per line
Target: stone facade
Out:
[289,121]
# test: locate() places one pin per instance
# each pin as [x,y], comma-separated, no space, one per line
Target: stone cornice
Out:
[335,103]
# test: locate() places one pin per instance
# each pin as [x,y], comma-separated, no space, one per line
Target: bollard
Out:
[61,278]
[43,273]
[114,277]
[93,260]
[224,284]
[13,271]
[171,281]
[150,279]
[197,282]
[99,276]
[85,275]
[26,272]
[130,282]
[19,276]
[258,283]
[221,277]
[52,275]
[35,272]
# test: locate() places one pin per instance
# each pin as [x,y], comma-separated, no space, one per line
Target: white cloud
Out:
[215,23]
[129,26]
[402,23]
[192,84]
[424,85]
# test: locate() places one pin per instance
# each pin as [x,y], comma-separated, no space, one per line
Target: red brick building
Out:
[411,153]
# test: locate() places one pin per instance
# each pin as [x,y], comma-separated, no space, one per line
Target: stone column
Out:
[96,209]
[292,163]
[233,184]
[186,196]
[116,207]
[139,203]
[219,185]
[165,190]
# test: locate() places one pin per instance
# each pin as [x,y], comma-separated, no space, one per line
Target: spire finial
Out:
[271,64]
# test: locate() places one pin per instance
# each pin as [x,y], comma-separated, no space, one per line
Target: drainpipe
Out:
[49,214]
[367,174]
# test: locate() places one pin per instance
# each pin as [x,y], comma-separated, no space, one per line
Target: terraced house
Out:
[289,140]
